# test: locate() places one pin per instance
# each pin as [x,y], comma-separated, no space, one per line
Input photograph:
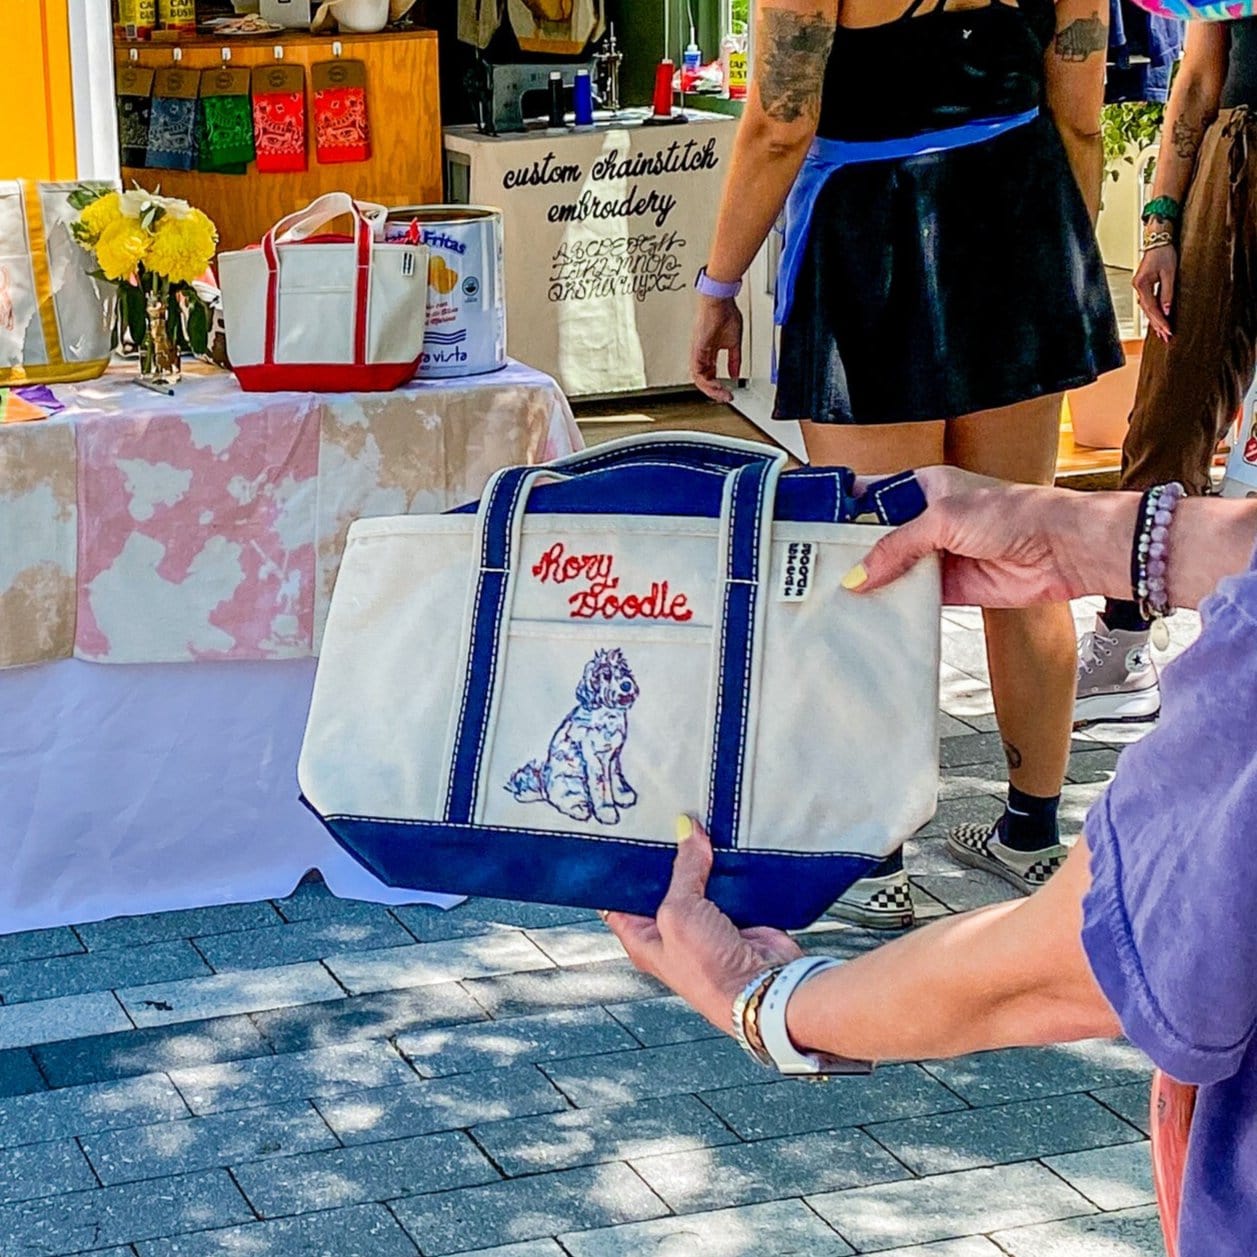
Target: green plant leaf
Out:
[198,325]
[131,310]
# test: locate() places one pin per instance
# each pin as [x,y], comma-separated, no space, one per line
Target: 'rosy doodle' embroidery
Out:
[602,597]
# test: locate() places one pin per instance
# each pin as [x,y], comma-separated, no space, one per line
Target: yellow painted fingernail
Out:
[685,827]
[855,578]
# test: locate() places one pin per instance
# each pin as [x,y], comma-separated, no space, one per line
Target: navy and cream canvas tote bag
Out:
[518,698]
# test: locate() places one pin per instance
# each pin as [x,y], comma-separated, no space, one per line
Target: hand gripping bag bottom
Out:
[517,699]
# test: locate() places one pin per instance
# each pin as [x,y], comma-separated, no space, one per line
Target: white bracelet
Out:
[772,1024]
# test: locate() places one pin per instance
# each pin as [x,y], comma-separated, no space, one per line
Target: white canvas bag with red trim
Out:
[325,314]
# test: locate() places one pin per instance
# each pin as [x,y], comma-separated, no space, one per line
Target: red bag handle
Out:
[295,228]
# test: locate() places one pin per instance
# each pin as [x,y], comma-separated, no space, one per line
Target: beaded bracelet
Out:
[1150,557]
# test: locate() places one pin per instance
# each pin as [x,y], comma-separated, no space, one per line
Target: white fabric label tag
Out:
[796,570]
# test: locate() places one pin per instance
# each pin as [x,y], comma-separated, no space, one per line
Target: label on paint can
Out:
[466,325]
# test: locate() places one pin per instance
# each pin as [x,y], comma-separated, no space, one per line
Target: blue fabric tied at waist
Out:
[827,156]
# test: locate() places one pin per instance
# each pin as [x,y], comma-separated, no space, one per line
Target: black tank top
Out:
[1240,87]
[934,70]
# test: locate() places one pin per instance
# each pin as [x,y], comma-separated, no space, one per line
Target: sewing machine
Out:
[507,96]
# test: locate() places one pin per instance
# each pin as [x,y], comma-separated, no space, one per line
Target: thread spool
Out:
[583,99]
[663,88]
[557,118]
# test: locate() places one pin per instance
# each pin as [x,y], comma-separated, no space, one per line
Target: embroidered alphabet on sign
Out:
[601,597]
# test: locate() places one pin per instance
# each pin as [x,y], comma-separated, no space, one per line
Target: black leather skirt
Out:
[944,284]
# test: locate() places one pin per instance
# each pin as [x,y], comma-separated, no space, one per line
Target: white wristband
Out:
[772,1024]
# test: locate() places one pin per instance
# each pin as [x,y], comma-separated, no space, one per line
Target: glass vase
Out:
[159,355]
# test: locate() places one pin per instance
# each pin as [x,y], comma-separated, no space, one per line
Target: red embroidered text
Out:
[602,598]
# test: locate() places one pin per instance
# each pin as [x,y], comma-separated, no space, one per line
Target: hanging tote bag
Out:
[518,699]
[325,314]
[55,319]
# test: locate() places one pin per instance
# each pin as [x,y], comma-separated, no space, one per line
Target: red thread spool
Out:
[663,88]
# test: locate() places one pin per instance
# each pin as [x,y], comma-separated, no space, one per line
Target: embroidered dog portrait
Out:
[581,775]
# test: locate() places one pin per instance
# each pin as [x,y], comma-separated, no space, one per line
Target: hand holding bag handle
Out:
[745,558]
[298,226]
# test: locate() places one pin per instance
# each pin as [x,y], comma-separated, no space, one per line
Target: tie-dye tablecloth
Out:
[136,528]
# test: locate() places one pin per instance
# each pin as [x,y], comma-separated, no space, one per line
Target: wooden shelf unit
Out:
[404,109]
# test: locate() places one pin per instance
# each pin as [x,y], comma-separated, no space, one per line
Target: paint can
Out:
[466,330]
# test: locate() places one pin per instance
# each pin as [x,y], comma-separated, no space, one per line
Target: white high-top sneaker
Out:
[1117,679]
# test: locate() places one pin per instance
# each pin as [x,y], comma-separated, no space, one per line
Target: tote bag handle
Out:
[744,558]
[296,227]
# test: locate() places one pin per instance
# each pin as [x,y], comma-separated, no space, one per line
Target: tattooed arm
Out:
[792,42]
[1075,89]
[1193,105]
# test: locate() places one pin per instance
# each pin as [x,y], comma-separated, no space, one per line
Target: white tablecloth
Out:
[131,782]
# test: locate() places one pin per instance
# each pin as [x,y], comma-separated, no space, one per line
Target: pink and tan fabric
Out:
[140,529]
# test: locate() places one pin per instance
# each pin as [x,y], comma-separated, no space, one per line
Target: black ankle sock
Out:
[1121,613]
[1029,822]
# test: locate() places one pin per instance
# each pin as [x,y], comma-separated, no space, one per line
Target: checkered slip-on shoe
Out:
[878,903]
[977,847]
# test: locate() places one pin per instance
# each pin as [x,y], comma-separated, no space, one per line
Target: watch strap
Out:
[772,1024]
[708,287]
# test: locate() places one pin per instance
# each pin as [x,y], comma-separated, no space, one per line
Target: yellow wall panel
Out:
[36,94]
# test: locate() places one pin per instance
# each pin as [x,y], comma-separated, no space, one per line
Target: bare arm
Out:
[1075,89]
[792,43]
[1193,105]
[1014,974]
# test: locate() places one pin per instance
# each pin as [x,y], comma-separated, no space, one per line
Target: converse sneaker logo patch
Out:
[1138,660]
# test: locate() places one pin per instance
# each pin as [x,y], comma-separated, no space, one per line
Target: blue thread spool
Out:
[583,99]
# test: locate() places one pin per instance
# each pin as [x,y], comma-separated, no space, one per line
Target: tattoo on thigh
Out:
[791,65]
[1012,755]
[1185,135]
[1081,38]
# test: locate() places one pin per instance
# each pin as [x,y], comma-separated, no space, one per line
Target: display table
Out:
[611,224]
[165,571]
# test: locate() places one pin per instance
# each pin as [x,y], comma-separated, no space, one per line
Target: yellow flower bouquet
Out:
[153,248]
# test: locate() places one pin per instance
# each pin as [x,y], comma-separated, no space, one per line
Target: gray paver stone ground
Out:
[282,944]
[127,1053]
[84,1110]
[360,1231]
[155,927]
[1024,1073]
[285,1186]
[19,1075]
[107,1216]
[1132,1233]
[527,1208]
[423,964]
[424,1107]
[1130,1101]
[378,1016]
[293,1076]
[1003,1133]
[794,1107]
[947,1206]
[514,1041]
[665,1019]
[529,1248]
[1113,1178]
[45,1020]
[518,994]
[620,1132]
[31,944]
[621,1077]
[56,976]
[36,1170]
[781,1228]
[585,943]
[773,1169]
[970,1246]
[204,1143]
[254,990]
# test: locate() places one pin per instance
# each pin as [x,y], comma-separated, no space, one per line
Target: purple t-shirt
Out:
[1170,923]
